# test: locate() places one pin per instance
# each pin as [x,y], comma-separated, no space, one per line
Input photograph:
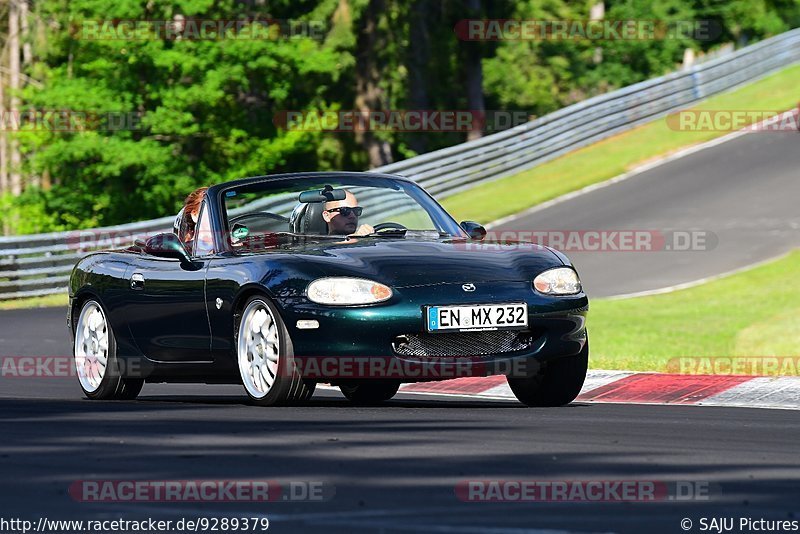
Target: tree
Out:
[369,93]
[471,57]
[15,161]
[4,184]
[197,111]
[206,109]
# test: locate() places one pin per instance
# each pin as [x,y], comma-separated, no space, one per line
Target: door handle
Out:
[137,281]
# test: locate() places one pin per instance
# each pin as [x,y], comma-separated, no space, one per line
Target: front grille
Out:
[464,344]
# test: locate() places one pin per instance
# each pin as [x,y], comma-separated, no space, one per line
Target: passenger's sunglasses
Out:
[346,211]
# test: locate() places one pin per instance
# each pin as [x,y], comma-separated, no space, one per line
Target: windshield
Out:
[333,207]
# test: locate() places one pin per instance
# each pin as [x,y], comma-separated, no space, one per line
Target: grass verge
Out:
[48,301]
[615,155]
[749,314]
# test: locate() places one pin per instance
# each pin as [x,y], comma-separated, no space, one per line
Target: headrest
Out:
[307,219]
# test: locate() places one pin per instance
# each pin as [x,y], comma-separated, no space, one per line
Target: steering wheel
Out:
[389,225]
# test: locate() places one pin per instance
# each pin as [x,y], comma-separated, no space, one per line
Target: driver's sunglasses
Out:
[346,211]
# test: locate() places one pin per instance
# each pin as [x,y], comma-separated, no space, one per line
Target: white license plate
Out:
[477,317]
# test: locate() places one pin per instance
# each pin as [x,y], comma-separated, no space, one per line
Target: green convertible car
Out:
[358,280]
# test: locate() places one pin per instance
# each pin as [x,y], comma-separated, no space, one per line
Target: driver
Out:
[342,217]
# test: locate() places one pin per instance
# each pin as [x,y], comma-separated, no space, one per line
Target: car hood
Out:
[406,262]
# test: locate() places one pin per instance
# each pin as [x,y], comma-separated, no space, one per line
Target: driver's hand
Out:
[364,229]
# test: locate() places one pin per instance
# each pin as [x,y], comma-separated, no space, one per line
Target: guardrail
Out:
[40,264]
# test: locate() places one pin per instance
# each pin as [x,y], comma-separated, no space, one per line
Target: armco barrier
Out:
[40,264]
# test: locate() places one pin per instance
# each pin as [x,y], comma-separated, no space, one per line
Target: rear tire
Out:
[265,357]
[368,392]
[558,384]
[95,354]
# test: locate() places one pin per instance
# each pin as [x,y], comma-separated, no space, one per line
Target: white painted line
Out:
[681,153]
[639,170]
[695,405]
[694,283]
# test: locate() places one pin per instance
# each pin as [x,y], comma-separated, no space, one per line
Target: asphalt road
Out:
[387,469]
[741,196]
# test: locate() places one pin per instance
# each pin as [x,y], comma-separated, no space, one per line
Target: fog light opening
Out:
[400,343]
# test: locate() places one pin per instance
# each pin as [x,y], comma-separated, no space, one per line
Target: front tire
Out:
[558,384]
[266,358]
[95,354]
[370,391]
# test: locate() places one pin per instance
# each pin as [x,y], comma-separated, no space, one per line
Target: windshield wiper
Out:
[396,232]
[392,232]
[307,236]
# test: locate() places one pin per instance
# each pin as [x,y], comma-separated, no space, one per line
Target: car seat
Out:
[307,219]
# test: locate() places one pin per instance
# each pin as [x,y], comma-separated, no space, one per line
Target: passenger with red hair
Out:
[186,221]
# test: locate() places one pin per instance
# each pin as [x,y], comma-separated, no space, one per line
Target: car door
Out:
[168,320]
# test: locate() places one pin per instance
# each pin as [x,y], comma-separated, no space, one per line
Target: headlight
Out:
[347,291]
[558,281]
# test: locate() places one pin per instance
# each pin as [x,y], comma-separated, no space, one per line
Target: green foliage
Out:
[743,21]
[539,76]
[627,61]
[206,110]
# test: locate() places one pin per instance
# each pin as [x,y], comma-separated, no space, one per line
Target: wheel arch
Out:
[81,296]
[246,293]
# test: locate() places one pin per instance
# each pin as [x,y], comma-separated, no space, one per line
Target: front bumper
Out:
[362,342]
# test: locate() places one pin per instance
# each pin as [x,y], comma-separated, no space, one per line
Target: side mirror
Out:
[168,245]
[474,230]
